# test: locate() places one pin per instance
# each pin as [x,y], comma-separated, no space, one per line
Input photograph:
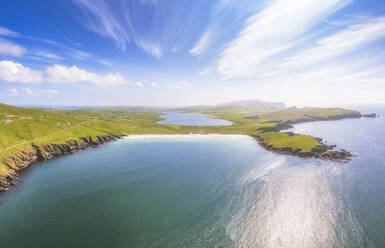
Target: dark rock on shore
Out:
[22,160]
[372,115]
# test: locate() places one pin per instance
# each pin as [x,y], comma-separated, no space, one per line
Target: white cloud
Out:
[139,84]
[272,31]
[15,72]
[7,32]
[154,84]
[350,39]
[11,49]
[64,74]
[40,92]
[204,42]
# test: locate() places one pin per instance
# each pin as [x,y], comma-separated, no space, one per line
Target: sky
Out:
[183,52]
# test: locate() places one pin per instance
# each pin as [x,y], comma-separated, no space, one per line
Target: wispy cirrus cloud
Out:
[8,32]
[272,31]
[48,55]
[349,39]
[154,26]
[101,20]
[204,41]
[9,48]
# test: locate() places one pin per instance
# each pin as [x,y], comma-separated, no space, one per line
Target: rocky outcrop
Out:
[322,151]
[22,160]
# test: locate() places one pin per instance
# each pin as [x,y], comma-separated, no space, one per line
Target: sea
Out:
[204,191]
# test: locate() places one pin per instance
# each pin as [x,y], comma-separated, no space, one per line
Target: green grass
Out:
[280,140]
[40,127]
[293,114]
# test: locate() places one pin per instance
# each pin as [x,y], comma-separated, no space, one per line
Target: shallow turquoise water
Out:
[192,119]
[204,192]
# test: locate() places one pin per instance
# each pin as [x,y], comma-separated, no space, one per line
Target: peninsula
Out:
[30,135]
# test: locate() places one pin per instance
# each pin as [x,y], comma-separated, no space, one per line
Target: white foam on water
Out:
[285,205]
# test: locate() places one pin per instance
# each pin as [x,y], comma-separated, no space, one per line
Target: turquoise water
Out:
[192,119]
[212,191]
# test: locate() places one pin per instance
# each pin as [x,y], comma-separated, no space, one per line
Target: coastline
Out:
[323,151]
[24,159]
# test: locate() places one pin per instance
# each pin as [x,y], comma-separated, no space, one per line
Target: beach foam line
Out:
[212,135]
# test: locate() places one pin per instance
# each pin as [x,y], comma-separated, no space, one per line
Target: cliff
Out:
[22,160]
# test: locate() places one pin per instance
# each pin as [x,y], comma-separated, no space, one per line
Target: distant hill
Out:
[254,104]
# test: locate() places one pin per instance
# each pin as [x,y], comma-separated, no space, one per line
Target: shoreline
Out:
[323,151]
[24,159]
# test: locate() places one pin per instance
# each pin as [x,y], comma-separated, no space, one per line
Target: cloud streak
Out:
[345,41]
[204,42]
[102,21]
[7,32]
[272,31]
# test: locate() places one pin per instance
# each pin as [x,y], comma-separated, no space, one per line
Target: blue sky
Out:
[183,52]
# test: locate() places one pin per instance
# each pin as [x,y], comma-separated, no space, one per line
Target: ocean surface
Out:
[192,119]
[204,191]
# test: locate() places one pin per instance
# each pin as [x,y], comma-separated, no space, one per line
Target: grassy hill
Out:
[295,114]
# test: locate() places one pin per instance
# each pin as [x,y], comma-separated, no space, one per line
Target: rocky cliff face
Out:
[22,160]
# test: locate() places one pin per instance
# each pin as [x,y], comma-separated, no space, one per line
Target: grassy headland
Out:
[30,135]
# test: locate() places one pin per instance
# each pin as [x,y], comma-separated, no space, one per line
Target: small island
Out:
[31,135]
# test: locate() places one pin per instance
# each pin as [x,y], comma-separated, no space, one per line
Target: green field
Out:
[22,127]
